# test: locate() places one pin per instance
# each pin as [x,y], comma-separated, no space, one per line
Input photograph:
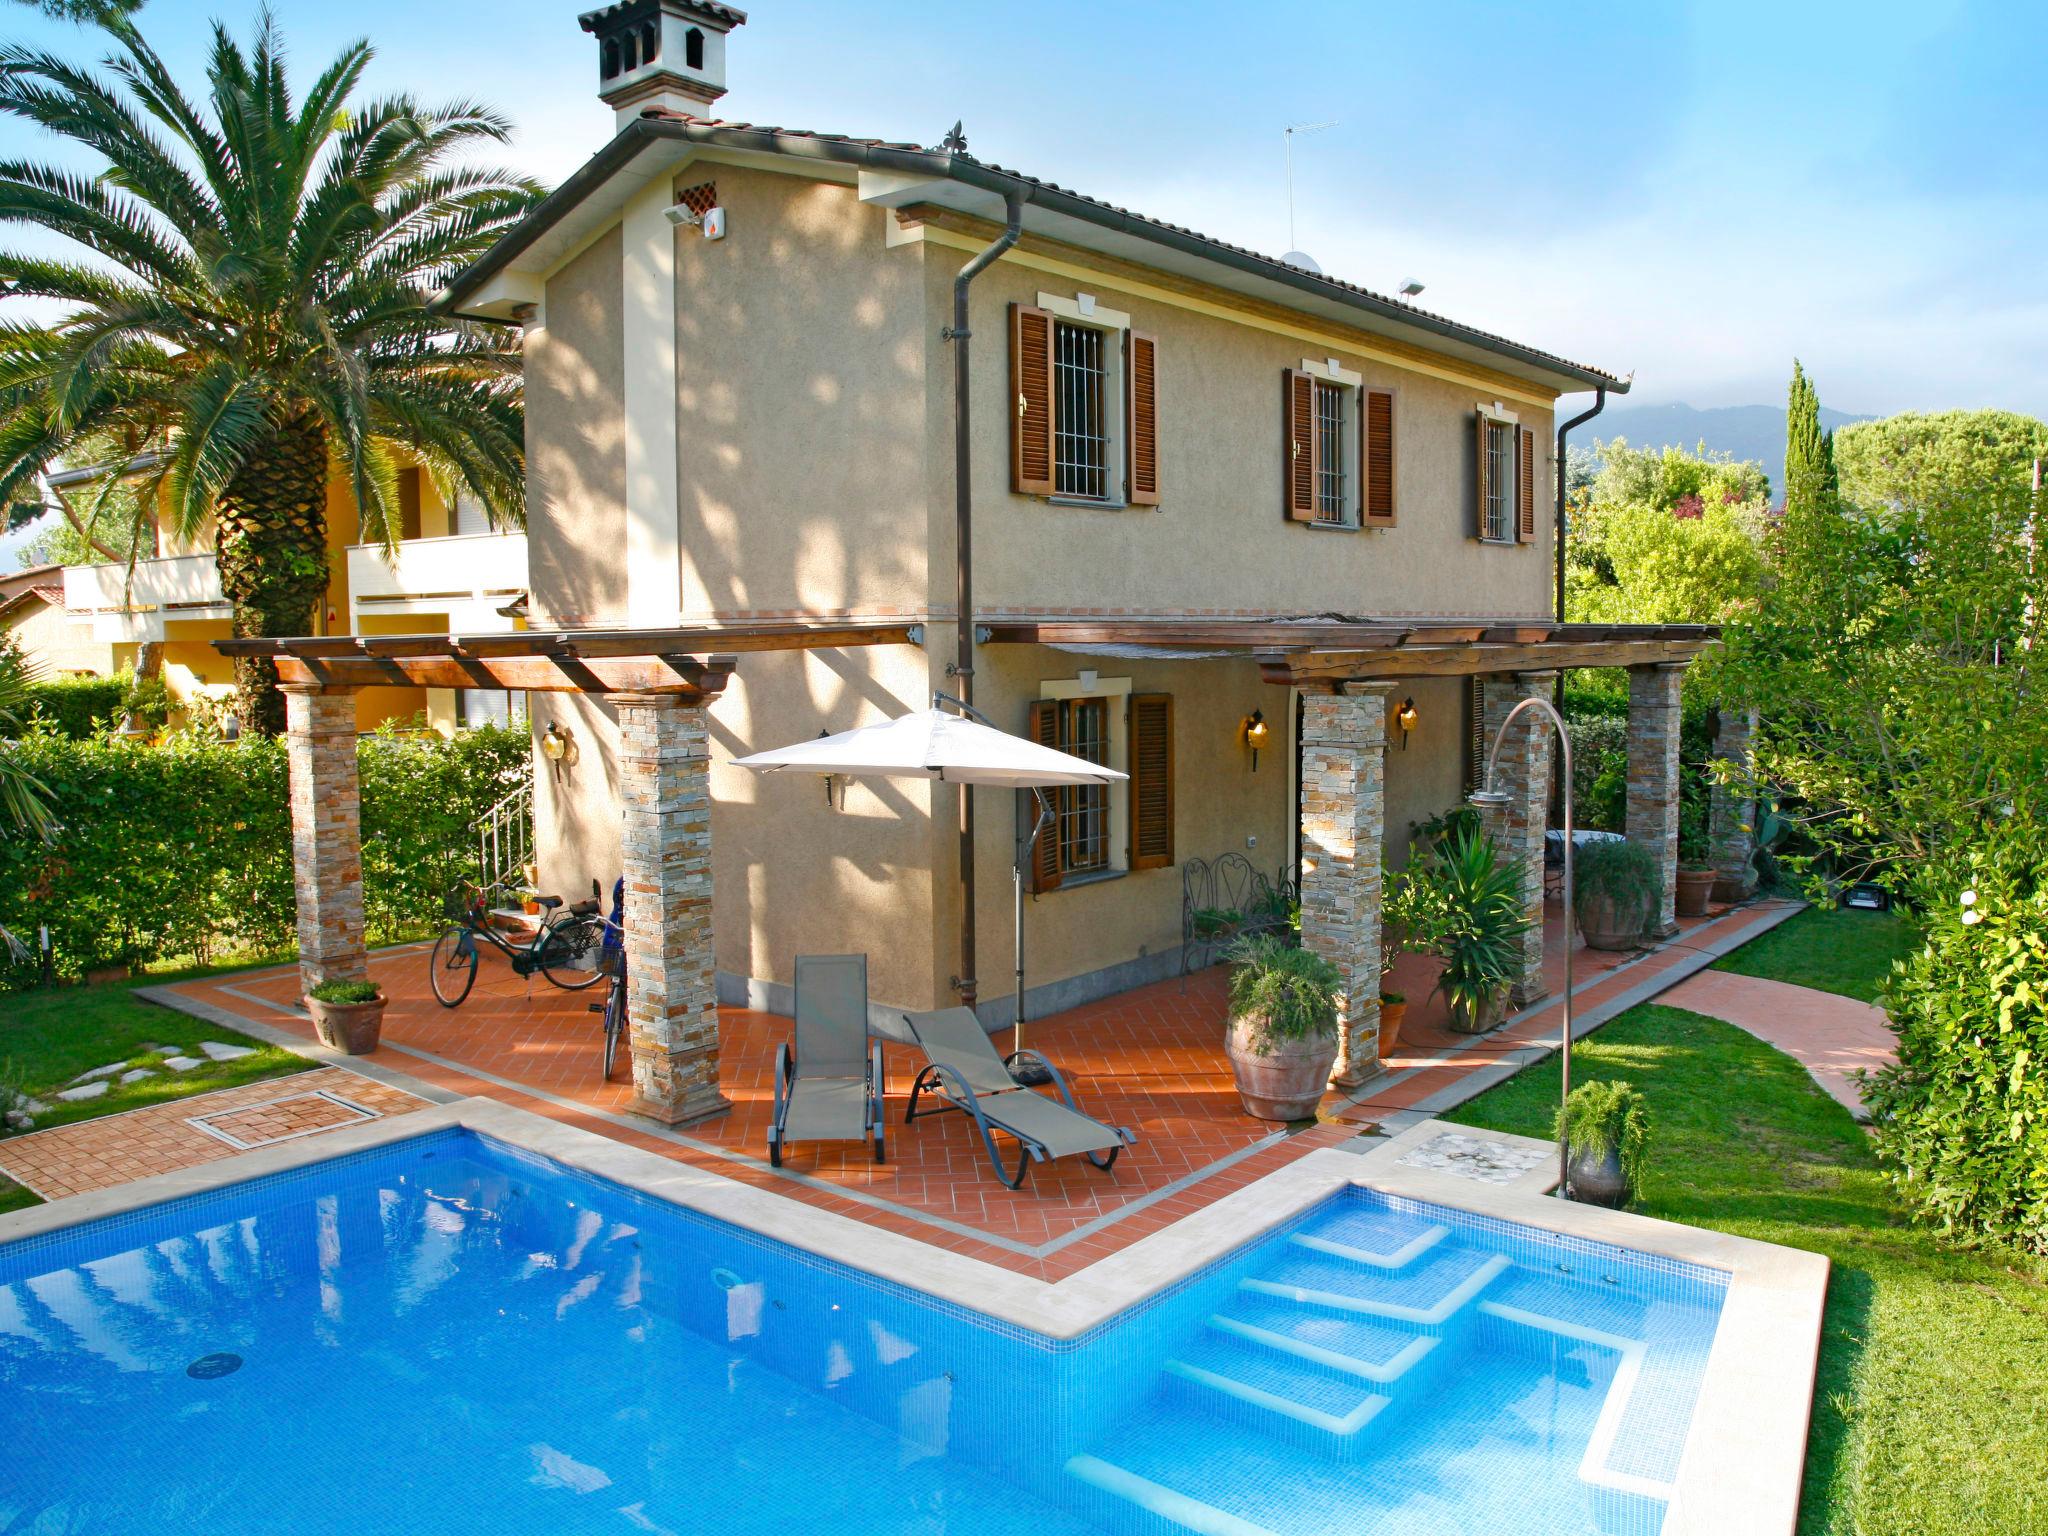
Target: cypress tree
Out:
[1809,452]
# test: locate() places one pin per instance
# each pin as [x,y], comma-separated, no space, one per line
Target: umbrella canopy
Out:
[933,744]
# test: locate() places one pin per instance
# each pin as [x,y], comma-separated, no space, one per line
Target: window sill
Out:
[1093,877]
[1087,501]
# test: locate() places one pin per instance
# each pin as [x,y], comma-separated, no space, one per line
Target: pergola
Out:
[660,681]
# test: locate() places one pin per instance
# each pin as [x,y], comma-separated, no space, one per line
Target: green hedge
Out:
[77,706]
[1597,717]
[184,848]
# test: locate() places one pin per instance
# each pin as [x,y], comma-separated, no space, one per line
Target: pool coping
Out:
[1745,1451]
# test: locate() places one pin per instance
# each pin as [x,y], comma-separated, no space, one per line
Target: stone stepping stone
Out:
[184,1063]
[222,1052]
[91,1090]
[137,1074]
[97,1073]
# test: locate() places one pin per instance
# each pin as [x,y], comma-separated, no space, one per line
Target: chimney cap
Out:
[722,16]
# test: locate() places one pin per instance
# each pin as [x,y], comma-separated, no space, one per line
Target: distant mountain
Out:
[1740,431]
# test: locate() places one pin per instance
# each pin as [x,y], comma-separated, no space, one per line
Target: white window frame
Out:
[1117,690]
[1081,309]
[1490,417]
[1352,385]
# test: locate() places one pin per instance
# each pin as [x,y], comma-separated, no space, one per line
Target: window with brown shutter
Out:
[1525,488]
[1376,458]
[1494,511]
[1141,417]
[1298,445]
[1030,400]
[1150,730]
[1045,853]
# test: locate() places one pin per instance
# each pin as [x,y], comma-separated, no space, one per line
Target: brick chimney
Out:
[661,53]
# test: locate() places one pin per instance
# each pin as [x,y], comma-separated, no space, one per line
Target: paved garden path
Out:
[1830,1036]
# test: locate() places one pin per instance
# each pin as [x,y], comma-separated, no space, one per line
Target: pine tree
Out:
[1809,452]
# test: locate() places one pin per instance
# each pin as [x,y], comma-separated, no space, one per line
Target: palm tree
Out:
[260,307]
[24,800]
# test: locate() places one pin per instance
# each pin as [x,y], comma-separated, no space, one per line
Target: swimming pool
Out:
[448,1334]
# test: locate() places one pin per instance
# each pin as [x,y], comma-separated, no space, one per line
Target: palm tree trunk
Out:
[270,542]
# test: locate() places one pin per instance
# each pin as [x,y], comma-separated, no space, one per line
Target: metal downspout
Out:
[960,335]
[1599,405]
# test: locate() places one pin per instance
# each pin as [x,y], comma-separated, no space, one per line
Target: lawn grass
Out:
[1831,949]
[1931,1410]
[48,1038]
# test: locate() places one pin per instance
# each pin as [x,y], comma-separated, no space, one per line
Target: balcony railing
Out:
[132,603]
[469,577]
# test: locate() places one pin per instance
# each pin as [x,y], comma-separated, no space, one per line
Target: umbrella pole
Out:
[1025,850]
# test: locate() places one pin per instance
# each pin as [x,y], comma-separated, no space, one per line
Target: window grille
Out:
[1084,808]
[1500,480]
[1080,416]
[1329,453]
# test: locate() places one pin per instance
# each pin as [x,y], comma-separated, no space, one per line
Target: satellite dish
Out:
[1303,260]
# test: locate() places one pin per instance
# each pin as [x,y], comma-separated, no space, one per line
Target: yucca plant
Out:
[1480,937]
[249,301]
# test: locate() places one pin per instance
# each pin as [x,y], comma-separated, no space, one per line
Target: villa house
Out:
[452,572]
[1279,548]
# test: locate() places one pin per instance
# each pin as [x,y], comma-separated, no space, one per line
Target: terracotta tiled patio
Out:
[1150,1059]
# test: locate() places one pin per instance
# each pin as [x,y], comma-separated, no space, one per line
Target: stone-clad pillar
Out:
[1521,775]
[1653,721]
[671,990]
[1343,812]
[327,847]
[1731,806]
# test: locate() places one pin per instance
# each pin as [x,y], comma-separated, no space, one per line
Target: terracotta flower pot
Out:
[1466,1019]
[1597,1180]
[1734,888]
[1695,886]
[351,1028]
[1604,924]
[1392,1017]
[1285,1083]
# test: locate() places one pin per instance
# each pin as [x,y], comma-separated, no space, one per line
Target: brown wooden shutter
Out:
[1030,401]
[1298,417]
[1525,486]
[1151,736]
[1478,528]
[1141,418]
[1376,458]
[1045,854]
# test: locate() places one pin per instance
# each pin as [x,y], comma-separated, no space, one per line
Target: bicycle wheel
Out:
[614,1023]
[452,967]
[568,953]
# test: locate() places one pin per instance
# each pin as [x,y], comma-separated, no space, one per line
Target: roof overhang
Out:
[1329,652]
[509,275]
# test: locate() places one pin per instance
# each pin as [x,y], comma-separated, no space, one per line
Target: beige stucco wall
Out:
[55,643]
[800,421]
[575,443]
[1218,540]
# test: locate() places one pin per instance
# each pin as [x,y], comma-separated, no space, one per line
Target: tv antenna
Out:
[1288,139]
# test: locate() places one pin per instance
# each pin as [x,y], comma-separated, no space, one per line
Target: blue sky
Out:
[1695,192]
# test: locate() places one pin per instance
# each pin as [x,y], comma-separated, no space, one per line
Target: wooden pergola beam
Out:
[687,676]
[596,644]
[1267,637]
[1327,667]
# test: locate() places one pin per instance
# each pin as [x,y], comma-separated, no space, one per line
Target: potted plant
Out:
[1412,914]
[1393,1014]
[1614,893]
[1483,925]
[1695,868]
[1605,1128]
[1282,1040]
[348,1016]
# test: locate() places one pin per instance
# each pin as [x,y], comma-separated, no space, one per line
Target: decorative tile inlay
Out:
[1474,1157]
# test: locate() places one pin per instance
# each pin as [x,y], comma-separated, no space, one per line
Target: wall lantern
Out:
[1407,718]
[1255,731]
[558,746]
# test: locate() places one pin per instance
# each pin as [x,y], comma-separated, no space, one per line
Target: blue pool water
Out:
[448,1335]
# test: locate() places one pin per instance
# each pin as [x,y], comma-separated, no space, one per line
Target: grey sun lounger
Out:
[828,1087]
[962,1067]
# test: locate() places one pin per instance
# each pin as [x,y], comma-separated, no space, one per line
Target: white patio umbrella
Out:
[937,744]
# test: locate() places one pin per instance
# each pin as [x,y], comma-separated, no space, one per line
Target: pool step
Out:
[1381,1356]
[1379,1258]
[1171,1512]
[1274,1393]
[1426,1296]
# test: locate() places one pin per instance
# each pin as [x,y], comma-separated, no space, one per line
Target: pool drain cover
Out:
[213,1367]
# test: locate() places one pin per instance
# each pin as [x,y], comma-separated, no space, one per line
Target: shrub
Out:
[1599,1118]
[78,707]
[1292,991]
[184,847]
[1624,874]
[345,992]
[1484,920]
[1962,1119]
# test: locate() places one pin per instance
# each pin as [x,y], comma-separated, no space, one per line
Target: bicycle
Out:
[557,949]
[611,960]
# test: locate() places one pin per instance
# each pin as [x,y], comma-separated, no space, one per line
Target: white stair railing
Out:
[504,837]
